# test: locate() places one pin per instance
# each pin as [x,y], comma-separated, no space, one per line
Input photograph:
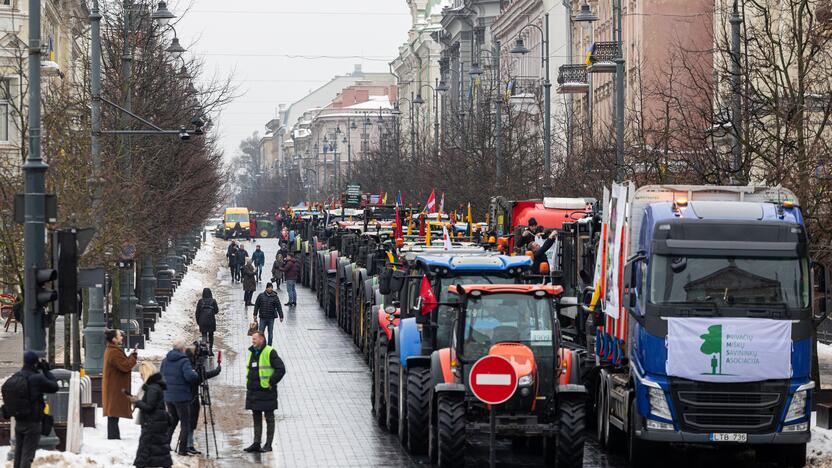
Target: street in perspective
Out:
[406,233]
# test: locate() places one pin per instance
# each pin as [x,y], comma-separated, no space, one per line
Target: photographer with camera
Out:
[206,317]
[198,354]
[23,400]
[180,375]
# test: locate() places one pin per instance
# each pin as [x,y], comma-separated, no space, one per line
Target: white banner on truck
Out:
[729,349]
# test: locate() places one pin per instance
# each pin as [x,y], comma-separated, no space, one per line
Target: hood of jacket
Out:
[206,293]
[156,379]
[175,355]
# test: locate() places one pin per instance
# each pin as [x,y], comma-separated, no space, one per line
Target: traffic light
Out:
[65,258]
[42,277]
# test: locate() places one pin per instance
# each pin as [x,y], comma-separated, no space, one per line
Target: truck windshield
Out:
[782,282]
[236,218]
[513,318]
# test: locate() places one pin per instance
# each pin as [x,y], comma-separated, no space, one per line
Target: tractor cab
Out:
[519,323]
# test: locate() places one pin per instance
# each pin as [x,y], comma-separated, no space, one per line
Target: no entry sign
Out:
[493,379]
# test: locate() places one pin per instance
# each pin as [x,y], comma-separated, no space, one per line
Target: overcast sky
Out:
[250,39]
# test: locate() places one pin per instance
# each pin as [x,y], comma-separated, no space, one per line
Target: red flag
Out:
[422,224]
[427,296]
[398,232]
[430,206]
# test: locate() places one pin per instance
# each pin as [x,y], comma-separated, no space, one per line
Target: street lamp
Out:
[520,48]
[175,49]
[162,15]
[419,101]
[585,15]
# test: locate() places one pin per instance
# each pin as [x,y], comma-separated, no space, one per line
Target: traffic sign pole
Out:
[493,380]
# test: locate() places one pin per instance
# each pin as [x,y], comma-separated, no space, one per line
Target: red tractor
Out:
[519,323]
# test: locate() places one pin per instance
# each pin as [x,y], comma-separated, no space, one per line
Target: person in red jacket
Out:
[252,228]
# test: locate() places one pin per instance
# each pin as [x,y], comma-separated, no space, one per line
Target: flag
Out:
[397,233]
[427,296]
[384,200]
[410,222]
[398,198]
[589,52]
[470,224]
[430,206]
[446,239]
[442,205]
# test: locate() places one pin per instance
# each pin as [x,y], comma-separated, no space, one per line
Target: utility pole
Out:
[619,94]
[349,150]
[34,171]
[435,116]
[736,84]
[570,98]
[412,129]
[547,118]
[498,121]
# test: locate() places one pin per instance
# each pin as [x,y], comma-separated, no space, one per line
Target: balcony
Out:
[602,58]
[572,79]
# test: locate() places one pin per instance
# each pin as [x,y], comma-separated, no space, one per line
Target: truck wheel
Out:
[639,452]
[379,406]
[392,398]
[570,439]
[418,409]
[450,431]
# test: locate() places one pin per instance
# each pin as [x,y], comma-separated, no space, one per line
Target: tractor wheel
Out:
[601,414]
[570,440]
[402,430]
[392,381]
[379,406]
[450,431]
[433,449]
[264,233]
[418,409]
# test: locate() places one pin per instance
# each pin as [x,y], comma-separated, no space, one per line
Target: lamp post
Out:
[736,85]
[585,17]
[520,48]
[418,100]
[619,93]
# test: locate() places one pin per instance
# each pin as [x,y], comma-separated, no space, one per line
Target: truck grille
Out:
[731,407]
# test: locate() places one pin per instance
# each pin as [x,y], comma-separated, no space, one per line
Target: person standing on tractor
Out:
[264,370]
[539,252]
[259,259]
[267,306]
[291,273]
[23,400]
[528,234]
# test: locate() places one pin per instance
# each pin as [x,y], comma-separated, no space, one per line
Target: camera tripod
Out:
[207,412]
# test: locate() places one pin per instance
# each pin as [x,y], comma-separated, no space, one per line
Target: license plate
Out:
[728,437]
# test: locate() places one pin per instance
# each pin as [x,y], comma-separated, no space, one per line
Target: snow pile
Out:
[178,321]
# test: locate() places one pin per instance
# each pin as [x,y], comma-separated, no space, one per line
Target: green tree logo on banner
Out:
[712,345]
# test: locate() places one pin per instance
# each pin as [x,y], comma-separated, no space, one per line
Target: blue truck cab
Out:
[715,322]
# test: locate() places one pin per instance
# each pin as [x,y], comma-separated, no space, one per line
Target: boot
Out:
[258,434]
[269,434]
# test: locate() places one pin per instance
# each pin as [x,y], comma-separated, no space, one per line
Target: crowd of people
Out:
[170,396]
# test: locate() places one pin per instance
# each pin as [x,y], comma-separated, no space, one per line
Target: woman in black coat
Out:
[154,443]
[206,317]
[249,274]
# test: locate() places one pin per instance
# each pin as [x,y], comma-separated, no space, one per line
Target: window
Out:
[5,100]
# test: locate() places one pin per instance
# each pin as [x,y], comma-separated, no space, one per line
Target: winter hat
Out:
[268,285]
[532,222]
[30,358]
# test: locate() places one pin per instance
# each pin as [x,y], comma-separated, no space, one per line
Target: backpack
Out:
[206,314]
[17,397]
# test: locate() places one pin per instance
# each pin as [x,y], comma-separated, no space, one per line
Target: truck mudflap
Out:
[440,367]
[384,322]
[409,340]
[449,387]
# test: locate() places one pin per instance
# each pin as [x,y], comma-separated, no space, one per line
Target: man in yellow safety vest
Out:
[264,369]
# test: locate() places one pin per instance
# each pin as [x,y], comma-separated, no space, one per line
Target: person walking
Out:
[23,400]
[264,370]
[154,443]
[249,282]
[268,307]
[291,273]
[116,381]
[242,255]
[206,317]
[196,402]
[277,275]
[180,376]
[259,259]
[232,260]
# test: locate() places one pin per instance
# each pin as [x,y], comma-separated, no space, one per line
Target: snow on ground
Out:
[178,320]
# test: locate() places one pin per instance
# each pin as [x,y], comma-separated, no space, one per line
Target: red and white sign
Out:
[493,379]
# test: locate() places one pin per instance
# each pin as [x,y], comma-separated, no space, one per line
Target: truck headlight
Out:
[658,403]
[525,381]
[797,408]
